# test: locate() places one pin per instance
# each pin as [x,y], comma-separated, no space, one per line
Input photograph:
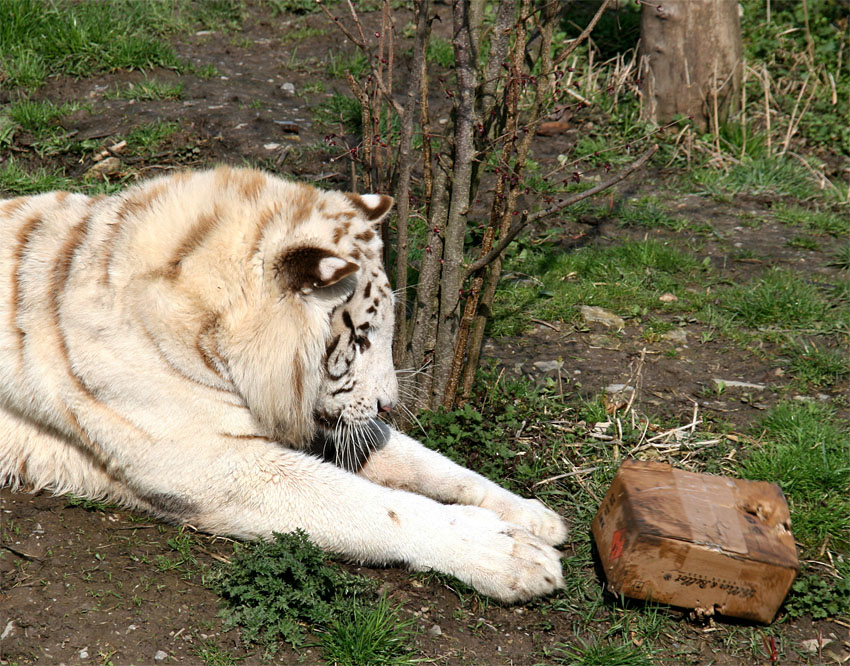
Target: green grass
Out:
[150,89]
[807,452]
[649,213]
[39,39]
[145,139]
[440,52]
[16,181]
[819,366]
[842,257]
[780,298]
[816,221]
[602,653]
[337,64]
[628,278]
[338,109]
[762,175]
[38,117]
[373,634]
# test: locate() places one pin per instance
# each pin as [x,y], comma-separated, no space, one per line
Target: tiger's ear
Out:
[308,268]
[371,206]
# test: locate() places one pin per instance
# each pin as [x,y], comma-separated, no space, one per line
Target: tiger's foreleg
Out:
[405,463]
[263,488]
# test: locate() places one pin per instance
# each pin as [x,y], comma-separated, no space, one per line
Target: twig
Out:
[527,219]
[558,477]
[563,55]
[667,433]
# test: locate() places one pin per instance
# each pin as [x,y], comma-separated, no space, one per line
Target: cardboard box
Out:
[699,541]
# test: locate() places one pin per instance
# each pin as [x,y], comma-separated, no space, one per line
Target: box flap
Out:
[748,519]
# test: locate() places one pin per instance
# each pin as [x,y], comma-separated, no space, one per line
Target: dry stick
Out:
[485,298]
[363,46]
[766,83]
[563,55]
[497,211]
[792,124]
[744,110]
[405,168]
[465,154]
[366,120]
[528,219]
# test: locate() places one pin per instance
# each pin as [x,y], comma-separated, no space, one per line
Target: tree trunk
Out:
[691,60]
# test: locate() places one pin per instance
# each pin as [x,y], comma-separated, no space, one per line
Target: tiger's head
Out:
[274,290]
[327,271]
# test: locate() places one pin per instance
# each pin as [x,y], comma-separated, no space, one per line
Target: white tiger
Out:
[215,348]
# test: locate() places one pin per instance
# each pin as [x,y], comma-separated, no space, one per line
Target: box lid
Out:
[747,519]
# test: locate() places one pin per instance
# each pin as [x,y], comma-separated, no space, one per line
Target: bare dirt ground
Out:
[82,586]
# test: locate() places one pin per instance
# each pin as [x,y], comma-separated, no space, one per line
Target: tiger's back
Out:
[154,316]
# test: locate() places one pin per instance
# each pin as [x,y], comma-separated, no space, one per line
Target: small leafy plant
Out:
[272,589]
[818,597]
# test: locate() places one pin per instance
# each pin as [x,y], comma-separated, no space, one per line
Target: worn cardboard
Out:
[699,541]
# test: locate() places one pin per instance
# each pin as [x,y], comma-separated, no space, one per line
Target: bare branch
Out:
[563,55]
[527,219]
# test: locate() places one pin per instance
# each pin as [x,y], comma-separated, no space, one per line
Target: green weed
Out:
[817,221]
[819,366]
[811,594]
[89,504]
[338,64]
[371,634]
[338,109]
[779,298]
[148,90]
[441,52]
[602,653]
[212,655]
[482,433]
[807,453]
[279,7]
[273,588]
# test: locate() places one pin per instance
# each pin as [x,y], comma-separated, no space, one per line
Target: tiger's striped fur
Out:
[215,348]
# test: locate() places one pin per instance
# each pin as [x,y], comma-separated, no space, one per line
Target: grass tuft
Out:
[807,453]
[373,634]
[602,653]
[779,298]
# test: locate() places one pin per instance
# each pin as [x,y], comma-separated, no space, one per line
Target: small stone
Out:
[678,336]
[814,644]
[271,146]
[668,298]
[106,167]
[84,654]
[592,314]
[435,630]
[288,88]
[732,383]
[161,655]
[612,389]
[547,366]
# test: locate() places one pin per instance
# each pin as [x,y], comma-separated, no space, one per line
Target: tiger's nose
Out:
[385,406]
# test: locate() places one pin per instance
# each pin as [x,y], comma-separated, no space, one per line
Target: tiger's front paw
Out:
[531,515]
[502,560]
